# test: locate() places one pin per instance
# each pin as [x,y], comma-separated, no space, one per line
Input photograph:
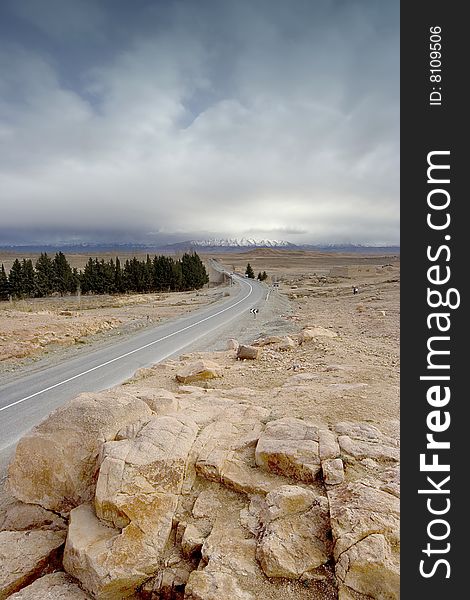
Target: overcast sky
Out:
[191,119]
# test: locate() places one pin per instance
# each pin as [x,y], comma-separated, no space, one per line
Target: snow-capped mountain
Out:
[240,243]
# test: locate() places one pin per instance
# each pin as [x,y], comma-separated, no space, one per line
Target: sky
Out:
[172,120]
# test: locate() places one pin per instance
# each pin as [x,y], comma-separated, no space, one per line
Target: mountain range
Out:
[201,246]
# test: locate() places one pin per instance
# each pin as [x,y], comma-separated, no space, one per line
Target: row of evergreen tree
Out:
[55,276]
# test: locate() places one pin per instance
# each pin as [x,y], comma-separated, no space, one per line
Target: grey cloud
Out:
[251,117]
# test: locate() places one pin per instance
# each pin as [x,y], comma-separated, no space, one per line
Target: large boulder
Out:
[370,568]
[365,526]
[55,465]
[289,447]
[137,494]
[111,563]
[26,555]
[357,510]
[154,462]
[200,370]
[56,586]
[294,538]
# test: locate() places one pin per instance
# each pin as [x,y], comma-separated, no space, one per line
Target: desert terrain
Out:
[306,431]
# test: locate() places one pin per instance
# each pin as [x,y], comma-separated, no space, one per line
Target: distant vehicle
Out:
[275,283]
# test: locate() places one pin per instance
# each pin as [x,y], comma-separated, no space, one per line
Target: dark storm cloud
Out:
[233,118]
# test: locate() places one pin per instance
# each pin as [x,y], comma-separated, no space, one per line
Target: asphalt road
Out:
[28,399]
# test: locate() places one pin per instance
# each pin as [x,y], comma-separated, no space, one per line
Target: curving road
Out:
[27,400]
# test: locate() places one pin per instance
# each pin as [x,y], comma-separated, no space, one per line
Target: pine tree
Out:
[15,279]
[118,278]
[63,280]
[87,278]
[44,275]
[264,276]
[4,285]
[193,272]
[148,275]
[29,278]
[249,271]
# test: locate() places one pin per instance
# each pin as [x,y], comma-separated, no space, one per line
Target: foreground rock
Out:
[26,555]
[200,370]
[137,496]
[196,495]
[365,526]
[56,464]
[18,516]
[370,568]
[289,447]
[295,533]
[56,586]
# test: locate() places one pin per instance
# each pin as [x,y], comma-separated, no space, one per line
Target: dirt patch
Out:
[34,327]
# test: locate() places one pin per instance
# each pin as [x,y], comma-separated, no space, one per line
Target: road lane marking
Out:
[108,362]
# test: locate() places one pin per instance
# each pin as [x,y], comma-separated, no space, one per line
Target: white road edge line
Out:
[108,362]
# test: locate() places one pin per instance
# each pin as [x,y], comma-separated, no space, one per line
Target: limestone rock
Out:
[242,478]
[154,462]
[137,491]
[200,370]
[192,540]
[248,352]
[227,549]
[295,534]
[26,555]
[159,400]
[18,516]
[206,505]
[56,586]
[55,465]
[360,449]
[170,582]
[110,563]
[333,471]
[370,568]
[209,585]
[358,510]
[310,333]
[359,431]
[289,447]
[130,431]
[328,445]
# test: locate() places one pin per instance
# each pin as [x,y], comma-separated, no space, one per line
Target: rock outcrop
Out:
[289,447]
[194,495]
[26,555]
[295,532]
[56,464]
[56,586]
